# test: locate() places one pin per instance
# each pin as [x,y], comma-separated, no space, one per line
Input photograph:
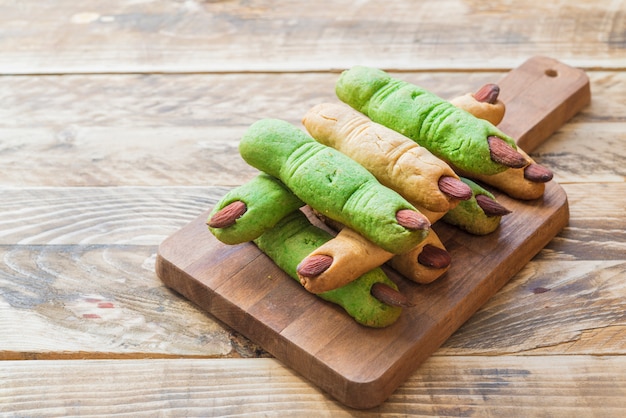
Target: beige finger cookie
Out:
[412,171]
[492,112]
[515,182]
[339,261]
[425,263]
[524,183]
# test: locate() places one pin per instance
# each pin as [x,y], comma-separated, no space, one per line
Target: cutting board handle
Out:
[544,92]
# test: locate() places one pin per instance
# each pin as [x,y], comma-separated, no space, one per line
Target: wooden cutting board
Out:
[360,366]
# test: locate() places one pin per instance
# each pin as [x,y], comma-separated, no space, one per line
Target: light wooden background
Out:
[119,123]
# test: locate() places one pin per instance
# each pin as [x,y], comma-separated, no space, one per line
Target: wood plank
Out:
[531,386]
[78,275]
[586,152]
[99,216]
[61,246]
[562,308]
[590,217]
[114,130]
[164,36]
[94,302]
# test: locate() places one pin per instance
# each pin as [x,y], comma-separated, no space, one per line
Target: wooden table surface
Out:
[120,122]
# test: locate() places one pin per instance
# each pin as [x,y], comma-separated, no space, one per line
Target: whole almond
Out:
[537,173]
[454,187]
[228,215]
[389,295]
[488,93]
[314,265]
[490,206]
[434,257]
[412,220]
[503,153]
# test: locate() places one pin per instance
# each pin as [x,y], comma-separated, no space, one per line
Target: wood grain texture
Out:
[156,130]
[148,93]
[262,35]
[552,295]
[78,273]
[55,252]
[164,130]
[443,386]
[63,245]
[529,91]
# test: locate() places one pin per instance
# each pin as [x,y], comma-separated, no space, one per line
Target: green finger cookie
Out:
[470,217]
[450,133]
[331,183]
[267,201]
[294,237]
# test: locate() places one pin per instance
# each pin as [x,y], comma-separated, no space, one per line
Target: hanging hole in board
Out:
[551,73]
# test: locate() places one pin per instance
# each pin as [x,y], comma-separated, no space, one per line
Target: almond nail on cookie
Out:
[247,211]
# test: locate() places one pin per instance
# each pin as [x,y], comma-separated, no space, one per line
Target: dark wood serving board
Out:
[360,366]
